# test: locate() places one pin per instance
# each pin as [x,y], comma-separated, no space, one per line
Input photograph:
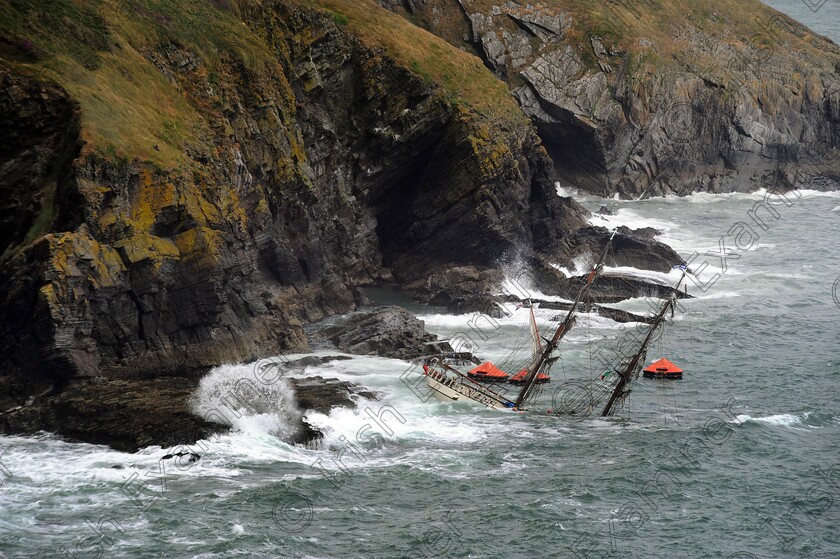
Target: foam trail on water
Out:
[669,278]
[778,420]
[523,289]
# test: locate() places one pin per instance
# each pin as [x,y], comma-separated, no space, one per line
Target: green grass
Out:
[462,76]
[340,19]
[129,108]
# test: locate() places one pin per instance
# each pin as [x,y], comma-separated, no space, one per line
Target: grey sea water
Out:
[823,16]
[740,459]
[736,458]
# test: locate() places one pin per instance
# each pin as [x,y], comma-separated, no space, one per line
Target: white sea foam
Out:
[778,420]
[632,219]
[234,395]
[717,294]
[563,270]
[806,193]
[669,278]
[580,265]
[567,191]
[523,289]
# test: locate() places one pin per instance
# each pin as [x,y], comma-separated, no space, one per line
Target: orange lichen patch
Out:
[78,255]
[147,247]
[200,245]
[151,197]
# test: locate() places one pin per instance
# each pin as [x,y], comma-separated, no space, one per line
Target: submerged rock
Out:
[190,457]
[322,395]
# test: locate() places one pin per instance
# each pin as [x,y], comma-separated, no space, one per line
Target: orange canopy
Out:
[524,373]
[662,366]
[489,370]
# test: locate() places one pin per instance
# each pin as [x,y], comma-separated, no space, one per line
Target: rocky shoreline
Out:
[130,414]
[646,100]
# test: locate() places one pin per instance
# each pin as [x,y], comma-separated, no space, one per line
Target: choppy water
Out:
[707,467]
[823,16]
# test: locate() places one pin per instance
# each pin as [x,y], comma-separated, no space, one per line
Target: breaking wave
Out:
[233,395]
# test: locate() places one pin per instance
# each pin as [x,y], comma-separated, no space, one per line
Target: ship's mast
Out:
[564,327]
[618,391]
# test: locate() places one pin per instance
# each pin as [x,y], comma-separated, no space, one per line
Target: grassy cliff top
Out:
[100,51]
[96,50]
[463,76]
[667,23]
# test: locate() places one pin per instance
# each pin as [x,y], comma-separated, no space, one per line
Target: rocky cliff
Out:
[187,184]
[647,97]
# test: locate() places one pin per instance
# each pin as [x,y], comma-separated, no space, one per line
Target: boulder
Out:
[636,248]
[387,332]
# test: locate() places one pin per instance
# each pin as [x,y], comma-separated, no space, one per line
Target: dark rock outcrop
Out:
[126,415]
[387,332]
[129,415]
[461,289]
[633,248]
[321,394]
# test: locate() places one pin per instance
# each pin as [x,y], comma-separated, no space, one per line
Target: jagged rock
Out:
[634,248]
[387,332]
[313,360]
[702,104]
[458,286]
[321,395]
[190,456]
[619,315]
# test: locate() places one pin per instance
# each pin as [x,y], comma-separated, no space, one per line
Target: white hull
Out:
[453,390]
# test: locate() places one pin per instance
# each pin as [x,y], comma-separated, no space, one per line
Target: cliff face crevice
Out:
[662,98]
[39,139]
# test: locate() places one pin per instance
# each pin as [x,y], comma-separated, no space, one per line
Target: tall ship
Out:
[603,395]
